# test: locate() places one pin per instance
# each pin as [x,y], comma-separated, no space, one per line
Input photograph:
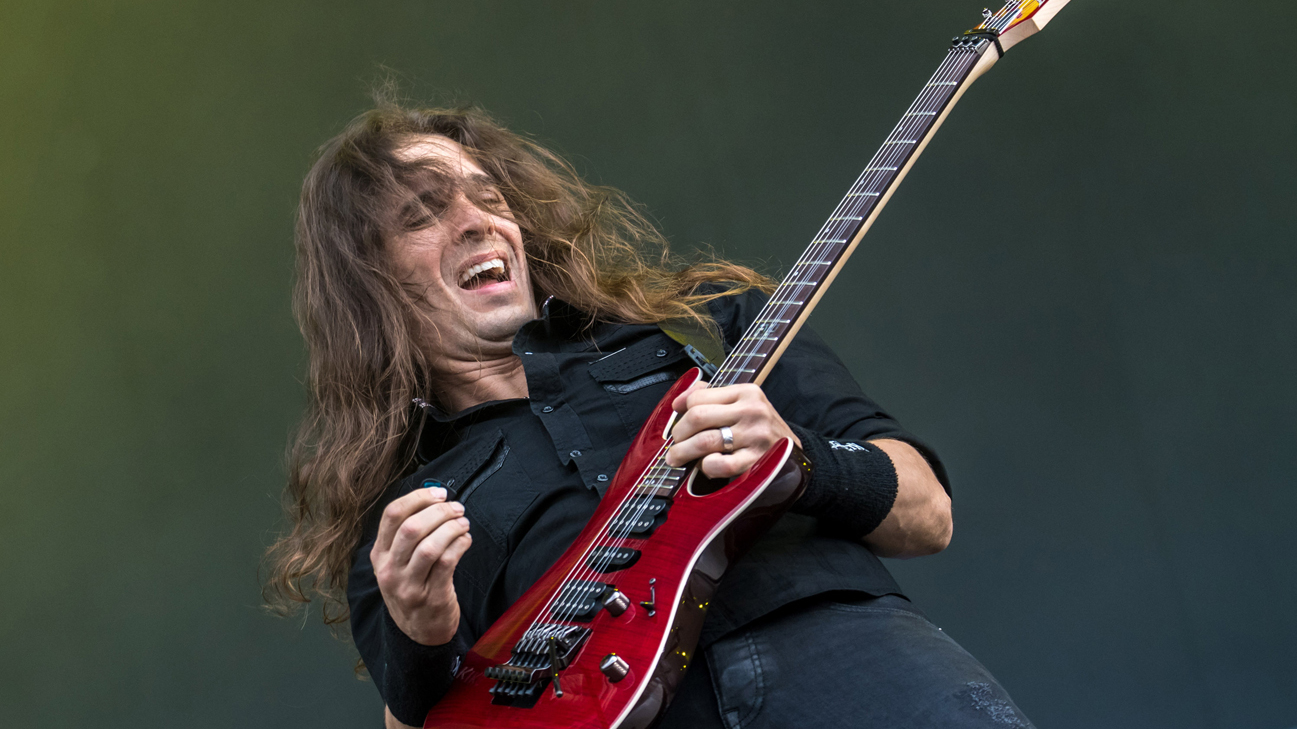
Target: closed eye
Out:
[482,190]
[422,212]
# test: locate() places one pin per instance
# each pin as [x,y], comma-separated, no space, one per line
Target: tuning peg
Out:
[986,13]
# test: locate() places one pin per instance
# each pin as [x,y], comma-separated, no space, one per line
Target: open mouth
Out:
[490,271]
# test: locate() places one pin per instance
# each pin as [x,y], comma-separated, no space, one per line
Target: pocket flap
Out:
[460,470]
[654,353]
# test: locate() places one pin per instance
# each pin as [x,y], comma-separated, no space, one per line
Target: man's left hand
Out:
[743,409]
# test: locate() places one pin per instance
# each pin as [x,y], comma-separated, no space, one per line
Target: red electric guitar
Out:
[604,637]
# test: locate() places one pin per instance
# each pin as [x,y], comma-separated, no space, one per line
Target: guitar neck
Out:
[808,279]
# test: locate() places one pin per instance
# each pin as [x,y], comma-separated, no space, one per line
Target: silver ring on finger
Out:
[727,438]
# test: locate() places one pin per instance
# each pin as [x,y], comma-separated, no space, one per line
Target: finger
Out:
[433,546]
[727,465]
[441,579]
[678,404]
[701,418]
[450,558]
[416,528]
[691,449]
[401,509]
[724,395]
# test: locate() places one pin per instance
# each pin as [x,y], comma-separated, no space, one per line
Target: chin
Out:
[503,325]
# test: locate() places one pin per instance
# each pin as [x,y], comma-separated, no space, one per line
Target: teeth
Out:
[483,266]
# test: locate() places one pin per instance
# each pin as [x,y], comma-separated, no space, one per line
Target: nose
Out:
[474,223]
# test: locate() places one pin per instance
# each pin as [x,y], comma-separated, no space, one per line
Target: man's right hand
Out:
[420,541]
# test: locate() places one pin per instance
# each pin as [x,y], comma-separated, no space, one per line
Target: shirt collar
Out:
[560,326]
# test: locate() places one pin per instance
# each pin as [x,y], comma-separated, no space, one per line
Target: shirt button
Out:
[547,409]
[575,454]
[601,477]
[662,353]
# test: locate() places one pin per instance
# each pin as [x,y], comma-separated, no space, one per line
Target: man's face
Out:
[468,264]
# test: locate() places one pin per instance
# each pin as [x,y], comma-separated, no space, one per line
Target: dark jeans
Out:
[872,662]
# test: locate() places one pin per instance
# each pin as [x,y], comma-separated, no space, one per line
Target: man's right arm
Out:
[420,541]
[405,612]
[391,722]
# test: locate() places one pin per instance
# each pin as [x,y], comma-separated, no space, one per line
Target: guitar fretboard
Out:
[792,301]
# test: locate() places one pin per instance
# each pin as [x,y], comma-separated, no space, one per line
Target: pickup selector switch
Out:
[614,667]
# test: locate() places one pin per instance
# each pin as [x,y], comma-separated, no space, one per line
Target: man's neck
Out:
[473,382]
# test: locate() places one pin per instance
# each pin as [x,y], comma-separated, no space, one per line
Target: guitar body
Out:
[679,567]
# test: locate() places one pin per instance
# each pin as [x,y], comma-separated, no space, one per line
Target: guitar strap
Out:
[702,344]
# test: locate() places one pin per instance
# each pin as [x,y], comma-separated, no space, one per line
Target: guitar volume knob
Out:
[615,602]
[614,667]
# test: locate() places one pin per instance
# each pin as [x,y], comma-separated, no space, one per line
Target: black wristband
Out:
[415,676]
[852,487]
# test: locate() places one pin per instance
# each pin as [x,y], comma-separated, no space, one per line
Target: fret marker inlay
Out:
[760,344]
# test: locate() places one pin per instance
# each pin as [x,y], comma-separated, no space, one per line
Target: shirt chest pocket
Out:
[495,491]
[636,378]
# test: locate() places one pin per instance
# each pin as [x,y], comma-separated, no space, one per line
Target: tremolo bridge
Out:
[543,651]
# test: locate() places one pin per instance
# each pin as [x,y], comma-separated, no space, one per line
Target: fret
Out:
[806,277]
[662,475]
[662,470]
[653,491]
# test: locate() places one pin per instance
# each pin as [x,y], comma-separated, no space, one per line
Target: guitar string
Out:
[658,469]
[942,75]
[945,72]
[833,229]
[580,572]
[778,307]
[665,472]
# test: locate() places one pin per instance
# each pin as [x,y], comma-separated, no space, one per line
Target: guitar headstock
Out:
[1017,20]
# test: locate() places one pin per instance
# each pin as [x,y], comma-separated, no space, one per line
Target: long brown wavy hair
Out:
[585,244]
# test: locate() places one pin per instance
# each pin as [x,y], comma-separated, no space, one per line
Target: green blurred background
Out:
[1083,296]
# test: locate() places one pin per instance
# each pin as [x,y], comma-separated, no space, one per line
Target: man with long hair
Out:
[484,340]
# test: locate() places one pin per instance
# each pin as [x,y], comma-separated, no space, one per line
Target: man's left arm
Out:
[919,522]
[883,489]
